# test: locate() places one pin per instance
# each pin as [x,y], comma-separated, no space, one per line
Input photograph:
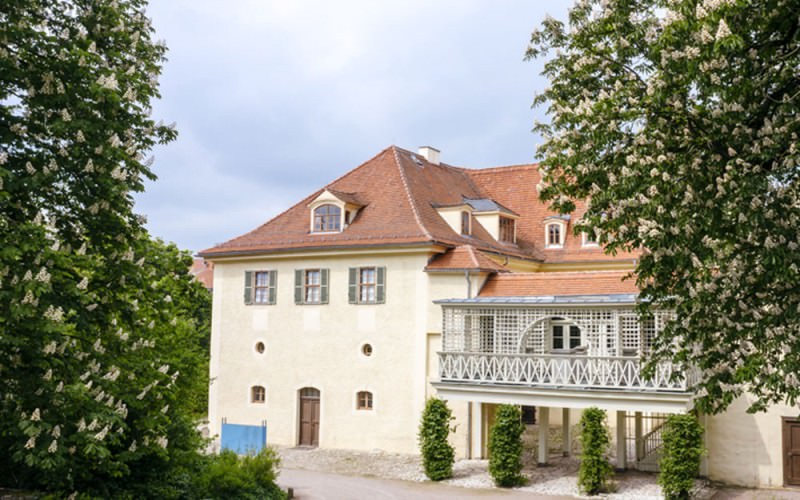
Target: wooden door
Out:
[791,451]
[309,417]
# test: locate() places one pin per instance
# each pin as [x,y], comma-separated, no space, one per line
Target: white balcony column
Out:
[566,433]
[622,451]
[544,431]
[476,446]
[638,432]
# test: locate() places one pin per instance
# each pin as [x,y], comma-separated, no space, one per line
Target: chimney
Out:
[430,154]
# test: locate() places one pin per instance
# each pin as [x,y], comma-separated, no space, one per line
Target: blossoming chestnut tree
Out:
[678,121]
[99,356]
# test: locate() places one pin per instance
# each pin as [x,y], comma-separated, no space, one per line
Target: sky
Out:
[275,99]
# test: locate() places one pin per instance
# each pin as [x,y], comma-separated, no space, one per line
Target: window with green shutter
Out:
[311,286]
[260,287]
[366,285]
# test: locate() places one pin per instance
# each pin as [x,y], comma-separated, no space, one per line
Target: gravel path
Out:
[557,478]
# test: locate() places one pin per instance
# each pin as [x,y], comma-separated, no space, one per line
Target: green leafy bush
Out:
[230,476]
[595,470]
[505,447]
[680,460]
[437,454]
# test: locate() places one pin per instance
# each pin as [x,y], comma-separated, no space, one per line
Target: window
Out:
[554,235]
[507,230]
[327,218]
[258,394]
[589,239]
[566,337]
[366,349]
[260,347]
[259,287]
[367,285]
[364,400]
[311,286]
[529,415]
[465,222]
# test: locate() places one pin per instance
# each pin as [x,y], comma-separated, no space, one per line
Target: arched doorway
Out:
[309,416]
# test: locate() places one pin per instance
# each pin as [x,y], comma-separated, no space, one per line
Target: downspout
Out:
[469,283]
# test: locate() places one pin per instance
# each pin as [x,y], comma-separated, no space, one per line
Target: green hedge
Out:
[505,447]
[680,459]
[595,470]
[437,454]
[228,476]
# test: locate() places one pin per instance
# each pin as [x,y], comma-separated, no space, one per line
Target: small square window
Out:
[258,394]
[364,400]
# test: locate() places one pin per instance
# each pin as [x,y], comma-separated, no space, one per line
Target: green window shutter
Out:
[248,287]
[298,286]
[273,286]
[380,291]
[323,289]
[352,289]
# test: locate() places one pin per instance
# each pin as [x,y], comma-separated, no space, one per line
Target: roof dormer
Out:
[458,217]
[332,211]
[555,231]
[499,221]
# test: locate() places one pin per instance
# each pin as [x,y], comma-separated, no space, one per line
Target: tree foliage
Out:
[233,477]
[100,346]
[595,470]
[677,122]
[437,454]
[505,447]
[680,458]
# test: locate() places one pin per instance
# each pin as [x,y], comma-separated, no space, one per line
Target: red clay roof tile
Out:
[463,258]
[558,283]
[399,191]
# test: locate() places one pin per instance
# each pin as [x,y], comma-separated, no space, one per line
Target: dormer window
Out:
[327,218]
[590,239]
[507,230]
[333,211]
[465,223]
[554,235]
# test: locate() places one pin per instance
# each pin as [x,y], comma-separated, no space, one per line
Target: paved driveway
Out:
[310,485]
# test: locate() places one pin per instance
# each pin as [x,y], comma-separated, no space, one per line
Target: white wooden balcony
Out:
[556,351]
[557,371]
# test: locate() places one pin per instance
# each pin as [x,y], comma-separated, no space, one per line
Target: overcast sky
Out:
[274,99]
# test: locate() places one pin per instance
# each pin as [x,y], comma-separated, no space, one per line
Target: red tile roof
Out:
[399,191]
[558,283]
[203,271]
[464,258]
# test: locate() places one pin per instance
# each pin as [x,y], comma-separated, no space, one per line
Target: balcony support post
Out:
[622,451]
[544,431]
[566,432]
[638,432]
[476,445]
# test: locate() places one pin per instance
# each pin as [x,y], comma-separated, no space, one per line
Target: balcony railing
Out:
[547,370]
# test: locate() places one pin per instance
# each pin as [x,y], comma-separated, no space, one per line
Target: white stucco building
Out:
[406,278]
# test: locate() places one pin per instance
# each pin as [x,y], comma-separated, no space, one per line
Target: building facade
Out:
[407,278]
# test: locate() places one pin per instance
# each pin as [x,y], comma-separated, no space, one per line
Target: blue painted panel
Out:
[243,439]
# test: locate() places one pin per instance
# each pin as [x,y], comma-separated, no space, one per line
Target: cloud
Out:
[274,99]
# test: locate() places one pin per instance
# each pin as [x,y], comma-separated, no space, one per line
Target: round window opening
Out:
[366,350]
[260,348]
